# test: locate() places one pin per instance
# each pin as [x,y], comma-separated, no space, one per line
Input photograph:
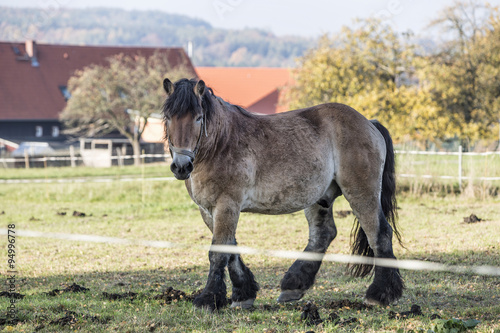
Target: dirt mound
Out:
[74,288]
[472,219]
[415,310]
[171,295]
[310,314]
[113,297]
[72,318]
[11,295]
[334,318]
[69,319]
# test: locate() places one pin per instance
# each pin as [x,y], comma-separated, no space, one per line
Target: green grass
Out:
[432,227]
[437,166]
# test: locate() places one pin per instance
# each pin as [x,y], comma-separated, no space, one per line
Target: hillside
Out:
[104,26]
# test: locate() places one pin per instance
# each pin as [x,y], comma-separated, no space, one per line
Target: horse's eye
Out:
[199,119]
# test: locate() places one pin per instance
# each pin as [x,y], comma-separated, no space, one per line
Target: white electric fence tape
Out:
[310,256]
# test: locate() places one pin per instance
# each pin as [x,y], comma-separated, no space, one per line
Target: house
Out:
[256,89]
[253,88]
[33,79]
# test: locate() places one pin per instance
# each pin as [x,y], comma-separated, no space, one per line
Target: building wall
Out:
[31,130]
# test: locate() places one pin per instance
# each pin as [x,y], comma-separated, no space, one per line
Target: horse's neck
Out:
[218,132]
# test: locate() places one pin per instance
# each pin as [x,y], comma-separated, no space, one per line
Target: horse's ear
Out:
[168,86]
[199,88]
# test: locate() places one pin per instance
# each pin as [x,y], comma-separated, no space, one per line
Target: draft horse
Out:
[235,161]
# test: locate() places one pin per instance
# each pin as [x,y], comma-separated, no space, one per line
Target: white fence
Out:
[491,173]
[409,164]
[73,161]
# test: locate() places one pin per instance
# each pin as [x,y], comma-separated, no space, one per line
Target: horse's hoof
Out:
[373,302]
[290,295]
[370,301]
[210,302]
[248,304]
[206,309]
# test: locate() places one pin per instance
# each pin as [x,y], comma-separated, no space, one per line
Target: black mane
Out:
[184,100]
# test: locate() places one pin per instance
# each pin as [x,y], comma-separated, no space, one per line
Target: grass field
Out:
[432,226]
[440,173]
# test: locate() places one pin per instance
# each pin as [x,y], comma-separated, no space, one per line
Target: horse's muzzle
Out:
[182,166]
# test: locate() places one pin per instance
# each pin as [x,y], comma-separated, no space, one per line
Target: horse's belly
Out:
[283,198]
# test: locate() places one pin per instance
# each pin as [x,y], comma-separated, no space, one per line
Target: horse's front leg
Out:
[244,285]
[223,224]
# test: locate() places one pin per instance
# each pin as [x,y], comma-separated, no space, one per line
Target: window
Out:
[55,131]
[38,131]
[65,92]
[101,146]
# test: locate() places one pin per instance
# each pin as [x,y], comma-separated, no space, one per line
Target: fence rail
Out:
[466,166]
[451,169]
[72,161]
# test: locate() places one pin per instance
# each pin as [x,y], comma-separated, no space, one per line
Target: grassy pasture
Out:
[432,226]
[438,174]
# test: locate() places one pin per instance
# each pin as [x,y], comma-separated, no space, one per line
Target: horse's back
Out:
[302,152]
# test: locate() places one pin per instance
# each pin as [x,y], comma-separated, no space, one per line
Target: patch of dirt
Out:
[347,304]
[61,213]
[310,314]
[78,214]
[71,318]
[343,213]
[472,219]
[172,295]
[113,297]
[11,295]
[415,310]
[74,288]
[334,318]
[68,320]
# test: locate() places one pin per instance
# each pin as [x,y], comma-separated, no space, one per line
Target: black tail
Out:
[389,206]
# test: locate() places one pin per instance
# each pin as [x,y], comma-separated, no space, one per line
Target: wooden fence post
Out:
[26,160]
[119,156]
[72,156]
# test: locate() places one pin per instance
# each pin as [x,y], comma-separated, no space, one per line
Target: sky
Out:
[308,18]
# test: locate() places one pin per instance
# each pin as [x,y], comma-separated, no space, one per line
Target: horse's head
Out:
[185,121]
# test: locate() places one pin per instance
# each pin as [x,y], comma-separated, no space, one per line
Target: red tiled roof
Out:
[255,89]
[32,93]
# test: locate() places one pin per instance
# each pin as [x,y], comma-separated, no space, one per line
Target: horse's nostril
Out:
[182,169]
[189,167]
[173,167]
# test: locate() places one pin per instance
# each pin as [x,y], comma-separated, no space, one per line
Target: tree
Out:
[119,97]
[464,76]
[370,68]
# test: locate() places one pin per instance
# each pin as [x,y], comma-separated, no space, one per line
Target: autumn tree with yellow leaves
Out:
[450,93]
[118,97]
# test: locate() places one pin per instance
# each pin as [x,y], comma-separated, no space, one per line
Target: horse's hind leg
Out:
[387,285]
[244,285]
[300,276]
